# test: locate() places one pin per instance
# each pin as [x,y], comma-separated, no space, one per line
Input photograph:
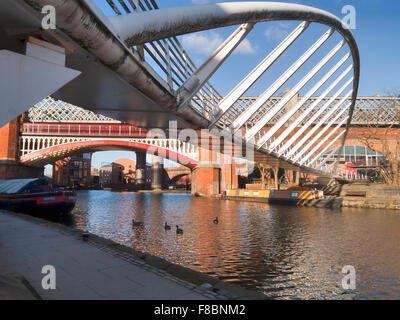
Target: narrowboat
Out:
[297,196]
[38,195]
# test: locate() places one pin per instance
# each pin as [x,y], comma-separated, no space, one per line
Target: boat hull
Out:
[293,197]
[55,202]
[333,203]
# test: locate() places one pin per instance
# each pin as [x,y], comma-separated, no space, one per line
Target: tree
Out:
[382,134]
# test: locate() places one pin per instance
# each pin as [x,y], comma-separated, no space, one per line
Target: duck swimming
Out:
[136,223]
[179,230]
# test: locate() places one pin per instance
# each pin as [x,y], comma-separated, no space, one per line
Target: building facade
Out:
[123,171]
[105,174]
[74,171]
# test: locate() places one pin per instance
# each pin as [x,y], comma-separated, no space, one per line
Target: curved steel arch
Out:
[104,38]
[162,23]
[47,155]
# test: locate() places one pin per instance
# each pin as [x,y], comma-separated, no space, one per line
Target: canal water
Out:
[284,252]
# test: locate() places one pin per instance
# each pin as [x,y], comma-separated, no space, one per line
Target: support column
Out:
[290,176]
[43,64]
[9,140]
[140,178]
[298,177]
[156,172]
[276,178]
[206,176]
[229,176]
[216,169]
[10,168]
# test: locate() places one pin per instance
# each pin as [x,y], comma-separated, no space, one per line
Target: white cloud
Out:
[278,31]
[245,47]
[206,42]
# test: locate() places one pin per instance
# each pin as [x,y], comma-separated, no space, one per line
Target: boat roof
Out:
[16,185]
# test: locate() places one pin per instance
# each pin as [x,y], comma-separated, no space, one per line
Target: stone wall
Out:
[13,170]
[376,196]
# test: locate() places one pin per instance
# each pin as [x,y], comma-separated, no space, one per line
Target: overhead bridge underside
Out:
[118,57]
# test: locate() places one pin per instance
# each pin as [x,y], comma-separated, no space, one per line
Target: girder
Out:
[53,110]
[247,114]
[256,73]
[41,150]
[291,94]
[315,149]
[363,106]
[123,42]
[316,126]
[369,110]
[326,148]
[305,113]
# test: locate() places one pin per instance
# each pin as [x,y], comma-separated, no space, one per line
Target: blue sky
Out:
[376,33]
[377,25]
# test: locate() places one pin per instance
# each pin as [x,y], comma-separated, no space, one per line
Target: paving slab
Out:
[15,287]
[98,268]
[82,270]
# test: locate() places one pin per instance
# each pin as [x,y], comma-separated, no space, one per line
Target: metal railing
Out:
[69,129]
[170,58]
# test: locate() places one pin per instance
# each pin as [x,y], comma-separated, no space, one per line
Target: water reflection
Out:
[285,252]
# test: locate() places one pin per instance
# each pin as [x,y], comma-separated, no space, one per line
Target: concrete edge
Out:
[378,196]
[30,288]
[178,271]
[14,286]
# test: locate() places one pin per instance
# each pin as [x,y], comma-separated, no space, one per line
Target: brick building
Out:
[105,174]
[74,171]
[123,171]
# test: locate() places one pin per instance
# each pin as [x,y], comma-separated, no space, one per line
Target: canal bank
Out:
[372,196]
[300,197]
[352,195]
[98,268]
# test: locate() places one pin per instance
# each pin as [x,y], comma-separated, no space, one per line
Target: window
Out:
[371,152]
[360,155]
[348,150]
[360,150]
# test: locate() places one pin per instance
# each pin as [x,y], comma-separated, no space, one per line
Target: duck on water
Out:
[179,230]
